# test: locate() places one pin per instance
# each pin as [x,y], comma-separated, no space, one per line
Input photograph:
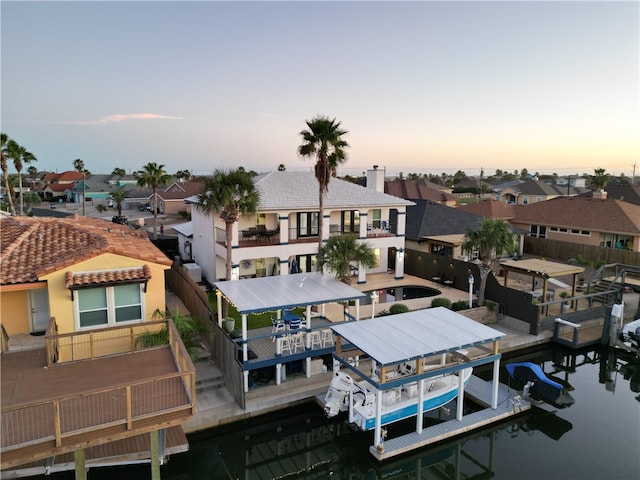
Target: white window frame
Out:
[111,308]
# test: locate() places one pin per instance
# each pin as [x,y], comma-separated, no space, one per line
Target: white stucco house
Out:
[283,235]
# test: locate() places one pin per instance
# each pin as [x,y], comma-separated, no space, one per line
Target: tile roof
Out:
[109,277]
[35,246]
[292,190]
[181,190]
[299,190]
[585,213]
[490,208]
[414,190]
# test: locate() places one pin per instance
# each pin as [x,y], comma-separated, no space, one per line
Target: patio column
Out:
[378,429]
[284,266]
[496,383]
[326,226]
[399,274]
[245,351]
[460,411]
[362,234]
[420,405]
[284,231]
[219,303]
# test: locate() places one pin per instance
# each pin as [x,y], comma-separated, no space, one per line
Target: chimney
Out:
[375,179]
[599,194]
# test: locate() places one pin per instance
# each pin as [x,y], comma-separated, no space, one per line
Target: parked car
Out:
[121,219]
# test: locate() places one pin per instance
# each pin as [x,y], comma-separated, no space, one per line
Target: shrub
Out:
[398,308]
[459,305]
[101,208]
[441,302]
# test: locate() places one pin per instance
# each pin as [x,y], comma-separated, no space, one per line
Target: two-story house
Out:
[283,234]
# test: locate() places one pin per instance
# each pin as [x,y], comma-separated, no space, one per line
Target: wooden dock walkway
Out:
[478,390]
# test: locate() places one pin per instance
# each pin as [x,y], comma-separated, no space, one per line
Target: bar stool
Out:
[315,339]
[287,344]
[298,341]
[327,337]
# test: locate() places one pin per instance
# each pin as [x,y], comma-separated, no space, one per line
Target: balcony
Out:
[81,390]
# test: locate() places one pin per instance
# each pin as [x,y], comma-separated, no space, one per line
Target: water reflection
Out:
[598,437]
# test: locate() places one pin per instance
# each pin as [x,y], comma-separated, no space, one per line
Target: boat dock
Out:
[477,390]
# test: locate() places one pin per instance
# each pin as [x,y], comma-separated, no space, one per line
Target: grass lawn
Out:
[254,320]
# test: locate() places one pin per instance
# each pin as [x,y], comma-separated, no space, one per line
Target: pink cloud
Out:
[121,117]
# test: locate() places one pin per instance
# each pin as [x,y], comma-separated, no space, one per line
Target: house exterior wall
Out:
[14,311]
[204,243]
[62,307]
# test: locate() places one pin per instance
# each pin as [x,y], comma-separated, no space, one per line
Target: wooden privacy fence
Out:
[193,297]
[557,249]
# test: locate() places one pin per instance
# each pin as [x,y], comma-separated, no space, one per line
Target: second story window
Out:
[307,224]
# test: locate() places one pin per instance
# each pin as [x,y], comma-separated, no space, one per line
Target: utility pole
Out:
[568,185]
[84,190]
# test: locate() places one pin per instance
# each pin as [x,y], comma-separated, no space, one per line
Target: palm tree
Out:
[231,194]
[4,152]
[599,179]
[20,156]
[121,172]
[78,165]
[32,199]
[32,170]
[491,238]
[152,176]
[281,167]
[118,196]
[323,140]
[339,252]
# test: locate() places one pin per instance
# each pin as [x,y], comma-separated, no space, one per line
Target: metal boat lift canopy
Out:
[408,336]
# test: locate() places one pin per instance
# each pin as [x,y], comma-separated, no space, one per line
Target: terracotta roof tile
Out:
[84,279]
[35,246]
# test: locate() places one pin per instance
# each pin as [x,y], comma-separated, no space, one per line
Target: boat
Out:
[540,387]
[398,403]
[630,336]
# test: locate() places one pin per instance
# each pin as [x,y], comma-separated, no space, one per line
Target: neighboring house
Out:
[533,191]
[490,208]
[84,272]
[171,199]
[419,190]
[608,223]
[97,189]
[284,232]
[57,184]
[627,193]
[438,229]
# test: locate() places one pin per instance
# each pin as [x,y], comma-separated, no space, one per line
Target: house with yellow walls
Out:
[86,273]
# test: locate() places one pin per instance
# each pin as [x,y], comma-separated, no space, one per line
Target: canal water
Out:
[596,438]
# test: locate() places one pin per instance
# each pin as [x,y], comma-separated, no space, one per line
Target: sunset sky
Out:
[420,86]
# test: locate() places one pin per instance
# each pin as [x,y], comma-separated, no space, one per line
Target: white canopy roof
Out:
[255,295]
[396,338]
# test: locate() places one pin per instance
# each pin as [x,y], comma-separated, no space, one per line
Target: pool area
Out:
[396,294]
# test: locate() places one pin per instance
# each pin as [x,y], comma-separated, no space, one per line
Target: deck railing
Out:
[37,422]
[101,342]
[27,424]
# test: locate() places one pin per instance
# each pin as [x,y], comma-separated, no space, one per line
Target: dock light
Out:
[471,279]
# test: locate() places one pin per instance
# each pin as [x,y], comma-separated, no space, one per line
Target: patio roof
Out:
[254,295]
[420,333]
[541,268]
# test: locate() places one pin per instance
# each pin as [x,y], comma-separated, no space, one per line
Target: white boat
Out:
[398,403]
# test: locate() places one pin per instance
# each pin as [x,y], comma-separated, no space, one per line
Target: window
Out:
[101,307]
[308,224]
[350,221]
[539,231]
[376,218]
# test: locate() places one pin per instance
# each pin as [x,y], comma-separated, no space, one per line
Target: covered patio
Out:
[547,271]
[277,294]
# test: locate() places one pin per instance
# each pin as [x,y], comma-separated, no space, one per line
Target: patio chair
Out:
[315,339]
[278,325]
[327,337]
[295,323]
[287,344]
[298,341]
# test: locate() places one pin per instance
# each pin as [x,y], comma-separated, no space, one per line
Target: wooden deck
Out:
[478,390]
[51,411]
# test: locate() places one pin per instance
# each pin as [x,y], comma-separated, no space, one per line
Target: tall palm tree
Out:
[152,176]
[78,165]
[20,156]
[5,170]
[230,194]
[491,238]
[339,252]
[323,141]
[118,196]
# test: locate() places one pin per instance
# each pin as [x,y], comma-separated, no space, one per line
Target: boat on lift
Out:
[359,398]
[535,383]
